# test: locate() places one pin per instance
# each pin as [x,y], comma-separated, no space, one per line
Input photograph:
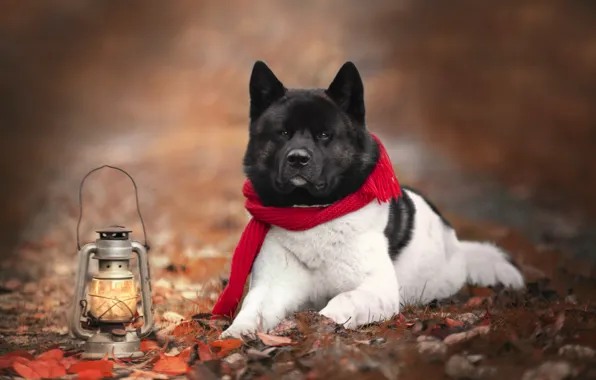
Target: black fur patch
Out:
[401,224]
[430,204]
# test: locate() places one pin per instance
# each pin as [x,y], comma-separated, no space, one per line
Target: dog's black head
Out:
[307,147]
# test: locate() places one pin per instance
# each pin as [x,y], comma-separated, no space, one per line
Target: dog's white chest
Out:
[332,253]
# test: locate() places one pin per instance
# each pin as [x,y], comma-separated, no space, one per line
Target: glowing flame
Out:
[113,300]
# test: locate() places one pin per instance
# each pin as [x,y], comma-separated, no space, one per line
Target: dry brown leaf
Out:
[227,345]
[273,340]
[463,336]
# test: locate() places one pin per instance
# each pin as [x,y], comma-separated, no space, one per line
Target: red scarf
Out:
[382,185]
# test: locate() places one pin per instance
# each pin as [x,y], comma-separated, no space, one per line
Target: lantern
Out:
[105,308]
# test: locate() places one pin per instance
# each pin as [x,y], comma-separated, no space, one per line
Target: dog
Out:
[311,147]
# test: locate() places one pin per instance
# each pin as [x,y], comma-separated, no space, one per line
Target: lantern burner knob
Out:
[114,233]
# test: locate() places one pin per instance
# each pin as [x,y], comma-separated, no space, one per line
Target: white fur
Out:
[342,268]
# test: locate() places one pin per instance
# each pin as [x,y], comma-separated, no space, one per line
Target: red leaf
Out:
[103,366]
[49,368]
[401,318]
[149,345]
[453,323]
[171,365]
[185,354]
[56,354]
[227,345]
[68,361]
[25,371]
[205,352]
[20,359]
[57,370]
[274,341]
[90,374]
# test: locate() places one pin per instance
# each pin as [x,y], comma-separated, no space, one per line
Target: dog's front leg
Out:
[279,286]
[377,297]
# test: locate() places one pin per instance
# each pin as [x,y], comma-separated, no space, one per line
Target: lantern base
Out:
[128,346]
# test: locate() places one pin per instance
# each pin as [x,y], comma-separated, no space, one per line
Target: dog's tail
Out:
[488,265]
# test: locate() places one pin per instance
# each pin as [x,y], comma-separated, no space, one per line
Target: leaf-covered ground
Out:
[184,116]
[479,333]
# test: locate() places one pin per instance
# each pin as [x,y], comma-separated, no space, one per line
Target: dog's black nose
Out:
[298,158]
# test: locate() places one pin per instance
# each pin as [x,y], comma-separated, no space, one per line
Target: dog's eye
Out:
[323,136]
[283,133]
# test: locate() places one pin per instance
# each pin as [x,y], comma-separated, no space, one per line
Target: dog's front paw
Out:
[240,331]
[353,309]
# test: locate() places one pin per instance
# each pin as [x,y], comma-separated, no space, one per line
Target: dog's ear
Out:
[347,91]
[264,89]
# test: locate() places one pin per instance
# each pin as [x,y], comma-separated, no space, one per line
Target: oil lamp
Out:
[104,309]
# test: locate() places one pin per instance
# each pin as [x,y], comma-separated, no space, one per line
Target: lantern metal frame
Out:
[113,249]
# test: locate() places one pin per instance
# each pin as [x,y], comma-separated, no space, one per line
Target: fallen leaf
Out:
[56,354]
[453,323]
[171,365]
[227,345]
[274,341]
[68,361]
[284,326]
[20,359]
[186,354]
[205,352]
[25,371]
[463,336]
[48,368]
[149,345]
[186,328]
[401,318]
[103,366]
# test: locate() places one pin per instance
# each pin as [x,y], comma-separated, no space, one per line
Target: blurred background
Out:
[488,108]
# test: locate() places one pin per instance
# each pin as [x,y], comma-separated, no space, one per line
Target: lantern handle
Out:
[146,244]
